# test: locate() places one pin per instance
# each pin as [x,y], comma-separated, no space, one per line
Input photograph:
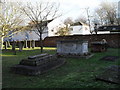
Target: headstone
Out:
[21,45]
[72,48]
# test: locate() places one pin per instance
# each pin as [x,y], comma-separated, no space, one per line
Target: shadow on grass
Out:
[26,51]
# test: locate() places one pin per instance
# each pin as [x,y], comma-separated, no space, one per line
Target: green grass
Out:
[76,73]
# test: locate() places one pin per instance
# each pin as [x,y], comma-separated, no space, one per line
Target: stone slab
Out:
[37,56]
[109,58]
[110,75]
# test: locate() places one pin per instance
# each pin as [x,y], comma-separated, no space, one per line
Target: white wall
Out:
[52,30]
[81,29]
[103,32]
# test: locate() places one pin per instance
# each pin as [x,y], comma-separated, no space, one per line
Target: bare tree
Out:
[82,19]
[10,19]
[40,14]
[107,13]
[68,20]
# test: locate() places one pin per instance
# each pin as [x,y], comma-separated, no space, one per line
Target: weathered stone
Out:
[111,75]
[98,46]
[38,64]
[37,56]
[73,48]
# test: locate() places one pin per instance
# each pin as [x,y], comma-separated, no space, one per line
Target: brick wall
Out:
[112,39]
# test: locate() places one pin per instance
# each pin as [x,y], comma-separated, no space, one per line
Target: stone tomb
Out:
[98,46]
[73,48]
[38,64]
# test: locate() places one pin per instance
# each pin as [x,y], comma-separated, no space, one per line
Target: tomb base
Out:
[84,56]
[39,65]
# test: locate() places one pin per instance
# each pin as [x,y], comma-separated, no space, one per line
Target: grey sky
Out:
[73,8]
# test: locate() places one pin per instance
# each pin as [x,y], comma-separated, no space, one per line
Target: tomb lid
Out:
[37,56]
[98,43]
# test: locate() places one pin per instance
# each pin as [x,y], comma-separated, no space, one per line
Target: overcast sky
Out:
[73,8]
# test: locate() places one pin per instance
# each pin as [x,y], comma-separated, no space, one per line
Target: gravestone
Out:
[73,48]
[38,64]
[110,74]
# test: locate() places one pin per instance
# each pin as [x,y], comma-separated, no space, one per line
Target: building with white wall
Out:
[75,28]
[52,31]
[28,34]
[79,28]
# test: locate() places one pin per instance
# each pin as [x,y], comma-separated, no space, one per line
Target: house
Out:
[29,34]
[75,28]
[52,31]
[108,29]
[79,28]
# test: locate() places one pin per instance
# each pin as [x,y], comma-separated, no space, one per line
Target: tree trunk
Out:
[13,45]
[1,43]
[41,43]
[6,44]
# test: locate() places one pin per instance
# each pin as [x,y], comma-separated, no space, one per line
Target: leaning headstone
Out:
[111,75]
[38,64]
[21,45]
[73,48]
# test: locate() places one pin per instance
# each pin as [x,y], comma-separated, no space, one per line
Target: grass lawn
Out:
[76,73]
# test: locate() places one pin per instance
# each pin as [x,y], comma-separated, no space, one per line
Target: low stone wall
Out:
[112,39]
